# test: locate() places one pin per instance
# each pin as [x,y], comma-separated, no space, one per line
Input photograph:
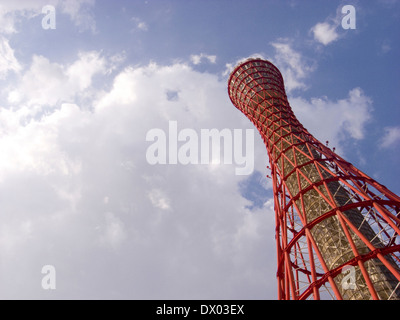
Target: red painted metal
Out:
[329,215]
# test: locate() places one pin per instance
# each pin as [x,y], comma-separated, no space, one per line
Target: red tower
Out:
[337,229]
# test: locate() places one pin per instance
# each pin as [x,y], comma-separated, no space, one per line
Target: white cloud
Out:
[325,33]
[48,83]
[7,23]
[31,145]
[198,58]
[171,231]
[159,200]
[328,31]
[340,119]
[8,62]
[12,12]
[139,24]
[79,12]
[391,137]
[293,66]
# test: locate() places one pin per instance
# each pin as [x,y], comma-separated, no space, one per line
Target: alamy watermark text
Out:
[205,148]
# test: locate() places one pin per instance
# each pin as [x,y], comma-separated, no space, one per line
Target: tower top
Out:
[245,64]
[252,76]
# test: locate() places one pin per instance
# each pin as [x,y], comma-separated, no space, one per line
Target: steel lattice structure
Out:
[337,229]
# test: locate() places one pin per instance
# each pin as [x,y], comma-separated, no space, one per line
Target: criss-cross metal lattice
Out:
[337,229]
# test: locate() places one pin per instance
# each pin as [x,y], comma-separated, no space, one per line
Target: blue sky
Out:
[77,101]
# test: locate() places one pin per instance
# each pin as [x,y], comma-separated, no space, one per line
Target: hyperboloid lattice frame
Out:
[337,229]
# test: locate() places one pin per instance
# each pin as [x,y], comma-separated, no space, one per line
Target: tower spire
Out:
[337,229]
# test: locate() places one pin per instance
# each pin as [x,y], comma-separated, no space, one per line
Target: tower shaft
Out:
[337,229]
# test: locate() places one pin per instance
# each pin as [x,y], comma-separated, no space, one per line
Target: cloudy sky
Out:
[78,100]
